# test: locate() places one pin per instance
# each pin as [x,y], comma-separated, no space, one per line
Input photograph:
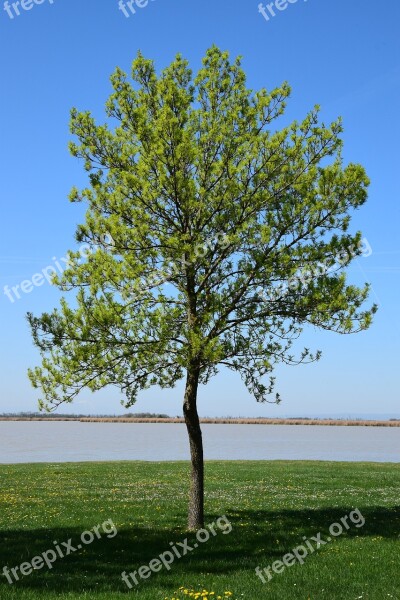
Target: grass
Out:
[271,506]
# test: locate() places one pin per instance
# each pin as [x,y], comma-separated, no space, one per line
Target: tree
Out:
[226,236]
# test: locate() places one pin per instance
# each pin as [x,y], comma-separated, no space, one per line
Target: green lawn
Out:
[271,506]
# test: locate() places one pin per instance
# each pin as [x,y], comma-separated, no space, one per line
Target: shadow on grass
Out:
[98,566]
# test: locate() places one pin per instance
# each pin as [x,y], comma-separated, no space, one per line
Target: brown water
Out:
[22,441]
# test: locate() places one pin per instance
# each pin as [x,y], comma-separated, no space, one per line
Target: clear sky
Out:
[341,54]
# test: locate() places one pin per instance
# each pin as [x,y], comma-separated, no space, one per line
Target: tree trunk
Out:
[196,497]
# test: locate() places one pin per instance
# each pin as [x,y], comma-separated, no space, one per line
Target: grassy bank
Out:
[270,505]
[218,421]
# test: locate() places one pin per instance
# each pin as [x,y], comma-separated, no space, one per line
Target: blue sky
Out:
[342,55]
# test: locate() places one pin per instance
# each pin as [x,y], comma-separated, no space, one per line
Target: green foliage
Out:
[210,208]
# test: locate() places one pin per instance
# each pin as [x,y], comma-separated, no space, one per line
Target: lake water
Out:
[32,441]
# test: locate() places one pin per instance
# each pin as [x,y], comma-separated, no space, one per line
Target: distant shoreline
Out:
[218,421]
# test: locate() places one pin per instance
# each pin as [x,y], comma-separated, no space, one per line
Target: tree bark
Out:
[196,496]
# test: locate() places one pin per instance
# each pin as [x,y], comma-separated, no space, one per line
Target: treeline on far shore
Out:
[162,418]
[76,417]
